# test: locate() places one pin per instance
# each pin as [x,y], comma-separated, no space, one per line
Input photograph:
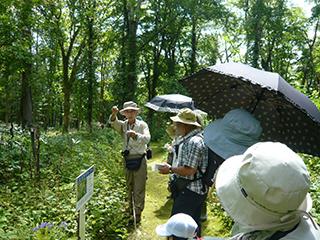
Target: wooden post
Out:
[81,223]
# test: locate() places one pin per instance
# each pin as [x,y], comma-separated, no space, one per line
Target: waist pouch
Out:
[133,163]
[176,185]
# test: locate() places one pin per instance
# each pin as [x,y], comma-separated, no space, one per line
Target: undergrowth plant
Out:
[32,208]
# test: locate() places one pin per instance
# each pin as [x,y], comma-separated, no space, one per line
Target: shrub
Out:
[31,204]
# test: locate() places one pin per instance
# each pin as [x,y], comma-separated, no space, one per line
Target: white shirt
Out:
[136,146]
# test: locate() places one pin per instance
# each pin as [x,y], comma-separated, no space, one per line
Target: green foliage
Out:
[14,157]
[36,209]
[313,164]
[49,231]
[214,205]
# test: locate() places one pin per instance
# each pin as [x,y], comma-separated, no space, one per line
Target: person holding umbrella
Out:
[186,186]
[136,136]
[285,114]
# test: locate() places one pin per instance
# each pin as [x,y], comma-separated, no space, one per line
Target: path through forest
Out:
[158,206]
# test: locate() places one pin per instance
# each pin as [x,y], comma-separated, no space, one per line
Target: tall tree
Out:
[25,23]
[256,13]
[131,17]
[90,20]
[310,55]
[64,17]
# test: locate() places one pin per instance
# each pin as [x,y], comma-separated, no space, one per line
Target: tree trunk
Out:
[131,25]
[91,68]
[35,141]
[7,105]
[26,97]
[101,98]
[193,63]
[26,93]
[69,80]
[132,57]
[254,32]
[66,108]
[66,94]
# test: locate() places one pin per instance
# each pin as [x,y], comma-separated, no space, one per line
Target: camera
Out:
[125,153]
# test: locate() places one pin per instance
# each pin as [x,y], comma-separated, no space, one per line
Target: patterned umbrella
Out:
[286,115]
[170,103]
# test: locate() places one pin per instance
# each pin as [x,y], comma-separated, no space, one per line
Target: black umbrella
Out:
[170,103]
[286,115]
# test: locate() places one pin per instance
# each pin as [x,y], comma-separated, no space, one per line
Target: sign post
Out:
[84,183]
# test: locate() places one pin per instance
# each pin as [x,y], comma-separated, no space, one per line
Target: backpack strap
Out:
[200,134]
[214,161]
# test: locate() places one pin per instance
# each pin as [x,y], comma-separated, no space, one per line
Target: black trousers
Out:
[190,203]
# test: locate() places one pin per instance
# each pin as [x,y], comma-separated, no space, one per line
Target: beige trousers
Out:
[136,187]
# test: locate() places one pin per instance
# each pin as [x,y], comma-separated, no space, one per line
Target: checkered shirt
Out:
[194,154]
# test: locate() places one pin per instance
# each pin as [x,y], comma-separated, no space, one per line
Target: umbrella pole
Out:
[258,98]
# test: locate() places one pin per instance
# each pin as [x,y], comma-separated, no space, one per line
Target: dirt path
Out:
[158,207]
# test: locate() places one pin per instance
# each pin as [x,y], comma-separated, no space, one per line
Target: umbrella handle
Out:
[258,98]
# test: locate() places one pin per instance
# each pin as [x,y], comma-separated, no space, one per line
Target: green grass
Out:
[158,206]
[26,202]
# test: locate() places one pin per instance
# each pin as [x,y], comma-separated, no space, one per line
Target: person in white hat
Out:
[179,225]
[192,157]
[136,136]
[265,191]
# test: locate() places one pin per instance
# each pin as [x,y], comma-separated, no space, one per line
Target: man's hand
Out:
[165,169]
[114,112]
[132,134]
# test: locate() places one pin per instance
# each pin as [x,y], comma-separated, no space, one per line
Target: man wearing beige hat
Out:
[136,136]
[192,157]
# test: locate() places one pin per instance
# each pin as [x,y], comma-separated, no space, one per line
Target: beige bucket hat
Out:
[186,116]
[265,187]
[129,106]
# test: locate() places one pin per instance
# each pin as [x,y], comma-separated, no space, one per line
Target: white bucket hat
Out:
[232,134]
[129,106]
[265,187]
[186,116]
[179,225]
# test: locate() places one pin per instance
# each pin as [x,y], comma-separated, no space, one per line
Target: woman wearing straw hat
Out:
[186,187]
[265,191]
[136,136]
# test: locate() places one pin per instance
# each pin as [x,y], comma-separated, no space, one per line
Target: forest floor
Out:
[158,206]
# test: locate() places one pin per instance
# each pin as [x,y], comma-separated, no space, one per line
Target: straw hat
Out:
[129,106]
[186,116]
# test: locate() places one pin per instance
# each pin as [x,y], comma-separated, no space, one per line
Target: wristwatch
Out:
[170,170]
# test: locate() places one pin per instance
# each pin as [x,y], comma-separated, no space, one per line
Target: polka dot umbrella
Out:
[286,115]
